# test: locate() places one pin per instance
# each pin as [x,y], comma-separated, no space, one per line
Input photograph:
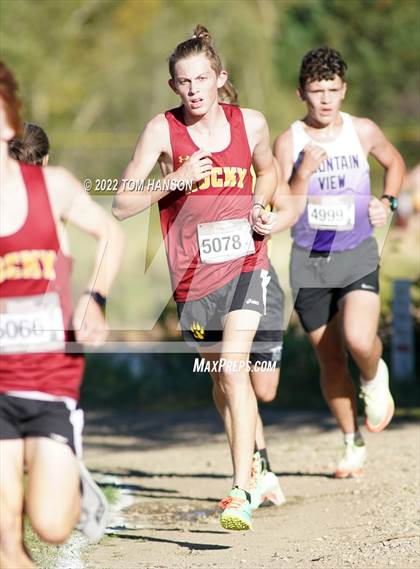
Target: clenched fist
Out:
[313,156]
[379,212]
[262,221]
[196,168]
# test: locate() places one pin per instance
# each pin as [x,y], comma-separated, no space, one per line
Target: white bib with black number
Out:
[31,324]
[331,212]
[221,241]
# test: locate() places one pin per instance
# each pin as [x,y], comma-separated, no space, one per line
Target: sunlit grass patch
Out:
[45,555]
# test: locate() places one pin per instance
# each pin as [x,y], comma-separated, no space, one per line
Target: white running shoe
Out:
[270,489]
[351,465]
[94,506]
[379,405]
[264,485]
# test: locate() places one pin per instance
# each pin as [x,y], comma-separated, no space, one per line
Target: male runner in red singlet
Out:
[334,263]
[39,380]
[218,266]
[267,346]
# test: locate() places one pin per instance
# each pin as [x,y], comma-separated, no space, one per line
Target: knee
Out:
[232,381]
[359,345]
[265,395]
[228,381]
[52,530]
[52,525]
[266,391]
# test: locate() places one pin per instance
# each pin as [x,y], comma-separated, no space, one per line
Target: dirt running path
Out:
[176,468]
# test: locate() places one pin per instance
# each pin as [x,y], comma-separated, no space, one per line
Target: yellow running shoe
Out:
[236,513]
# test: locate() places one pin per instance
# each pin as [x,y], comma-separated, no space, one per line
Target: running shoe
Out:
[379,405]
[92,521]
[270,489]
[254,485]
[237,514]
[264,485]
[351,465]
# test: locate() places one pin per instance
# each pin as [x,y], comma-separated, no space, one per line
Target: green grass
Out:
[412,413]
[112,494]
[45,555]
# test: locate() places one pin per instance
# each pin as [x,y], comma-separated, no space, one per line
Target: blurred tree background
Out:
[93,72]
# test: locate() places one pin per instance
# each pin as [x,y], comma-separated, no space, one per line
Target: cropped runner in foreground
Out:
[33,147]
[218,265]
[39,378]
[334,262]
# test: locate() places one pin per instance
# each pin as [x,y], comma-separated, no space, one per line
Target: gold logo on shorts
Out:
[197,331]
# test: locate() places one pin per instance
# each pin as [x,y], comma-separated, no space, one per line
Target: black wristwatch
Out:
[98,298]
[393,201]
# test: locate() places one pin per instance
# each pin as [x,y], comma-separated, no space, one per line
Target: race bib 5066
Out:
[31,324]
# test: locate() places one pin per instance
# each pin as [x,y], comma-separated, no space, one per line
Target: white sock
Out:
[349,438]
[353,438]
[371,383]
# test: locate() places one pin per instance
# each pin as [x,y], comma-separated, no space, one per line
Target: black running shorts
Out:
[336,274]
[202,320]
[21,418]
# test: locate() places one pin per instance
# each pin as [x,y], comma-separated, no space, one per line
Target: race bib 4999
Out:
[331,212]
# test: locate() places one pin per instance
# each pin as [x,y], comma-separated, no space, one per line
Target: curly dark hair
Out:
[321,63]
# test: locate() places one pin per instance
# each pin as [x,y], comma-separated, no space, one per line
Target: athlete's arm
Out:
[135,193]
[299,177]
[286,213]
[374,142]
[264,167]
[71,203]
[132,197]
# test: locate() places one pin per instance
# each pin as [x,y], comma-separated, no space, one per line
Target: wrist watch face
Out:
[393,202]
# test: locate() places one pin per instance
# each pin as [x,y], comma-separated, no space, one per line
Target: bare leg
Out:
[220,399]
[12,551]
[265,385]
[336,383]
[53,502]
[239,330]
[360,318]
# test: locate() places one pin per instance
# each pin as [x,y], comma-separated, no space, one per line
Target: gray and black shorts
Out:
[202,320]
[319,280]
[268,339]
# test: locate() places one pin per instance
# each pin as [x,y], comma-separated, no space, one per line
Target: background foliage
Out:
[93,72]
